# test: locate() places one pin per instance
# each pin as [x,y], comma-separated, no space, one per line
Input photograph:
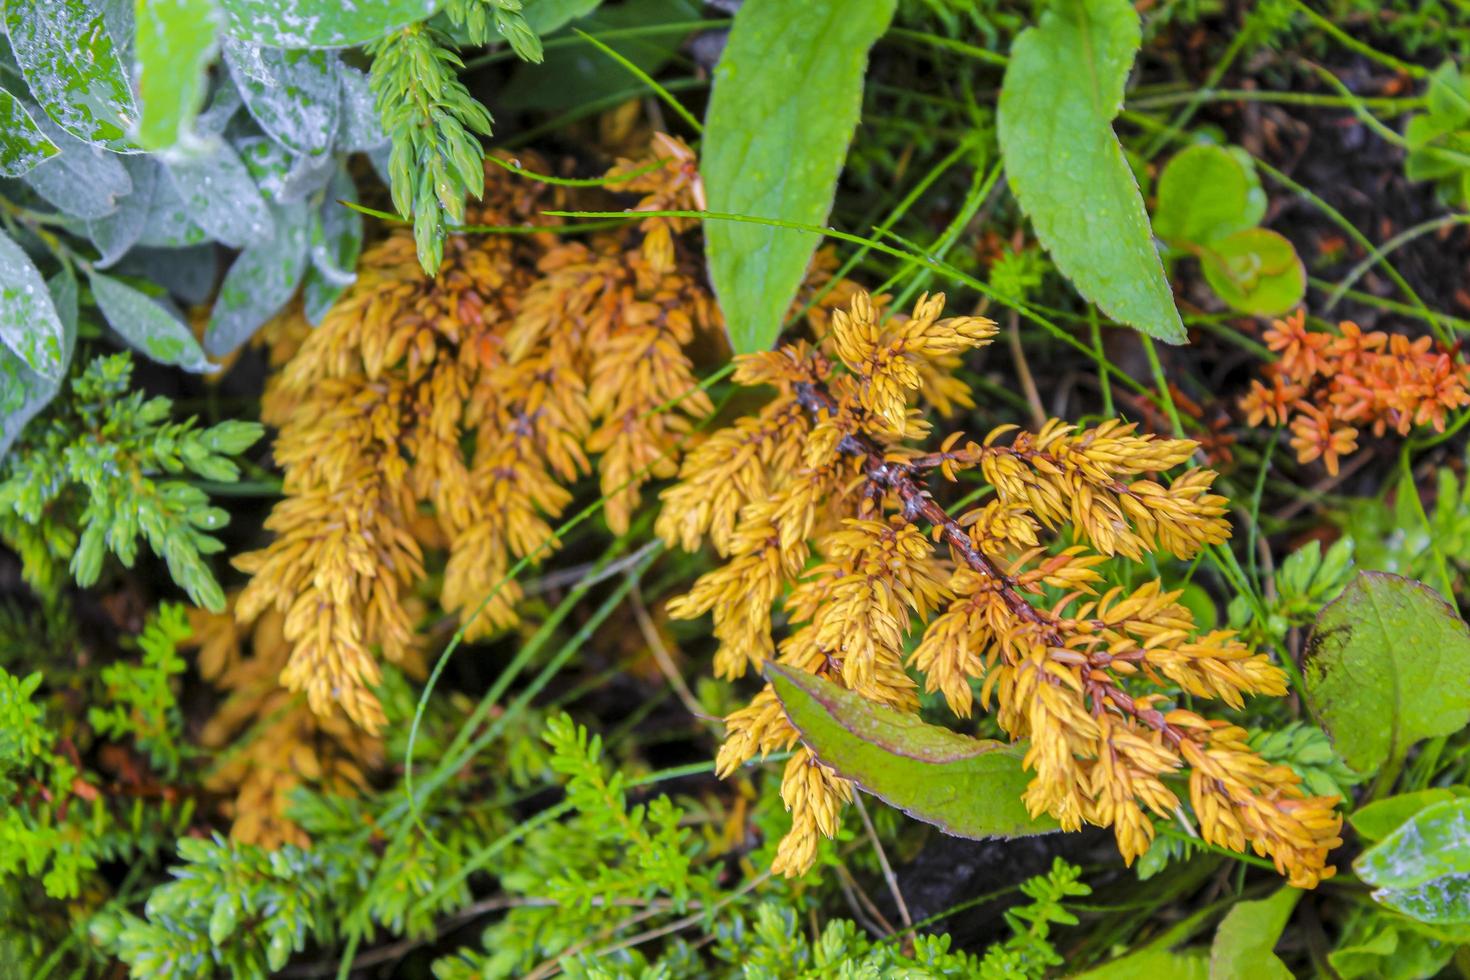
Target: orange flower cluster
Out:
[450,415]
[1093,680]
[269,740]
[1327,386]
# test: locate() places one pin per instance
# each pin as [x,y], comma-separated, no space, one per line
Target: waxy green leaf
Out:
[1422,869]
[967,787]
[29,325]
[146,325]
[1062,89]
[293,95]
[72,65]
[22,143]
[320,23]
[1380,818]
[259,283]
[787,94]
[174,45]
[1388,664]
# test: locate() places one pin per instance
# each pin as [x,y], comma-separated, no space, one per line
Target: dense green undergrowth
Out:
[424,426]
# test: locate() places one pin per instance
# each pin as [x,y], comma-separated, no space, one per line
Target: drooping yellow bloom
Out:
[271,741]
[825,469]
[452,413]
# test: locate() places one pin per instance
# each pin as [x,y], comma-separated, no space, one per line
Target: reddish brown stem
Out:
[905,478]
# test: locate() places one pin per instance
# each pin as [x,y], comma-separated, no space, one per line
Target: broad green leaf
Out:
[1255,271]
[1388,664]
[23,393]
[168,223]
[1243,944]
[120,230]
[1382,817]
[83,180]
[359,126]
[966,787]
[1422,869]
[259,283]
[22,143]
[545,16]
[221,197]
[1205,193]
[174,47]
[293,95]
[282,176]
[1449,93]
[1062,88]
[73,68]
[335,242]
[63,289]
[787,94]
[1151,963]
[1393,951]
[146,325]
[189,274]
[29,325]
[320,23]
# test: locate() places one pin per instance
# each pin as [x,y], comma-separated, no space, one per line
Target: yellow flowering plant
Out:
[822,501]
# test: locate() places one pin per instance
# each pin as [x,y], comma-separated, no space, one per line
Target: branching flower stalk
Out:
[826,469]
[438,422]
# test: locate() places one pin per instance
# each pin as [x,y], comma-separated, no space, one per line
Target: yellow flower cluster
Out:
[449,415]
[269,740]
[1090,679]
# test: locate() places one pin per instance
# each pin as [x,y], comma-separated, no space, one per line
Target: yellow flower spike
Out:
[1088,679]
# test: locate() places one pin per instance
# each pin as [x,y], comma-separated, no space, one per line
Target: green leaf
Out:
[1151,963]
[1207,192]
[146,325]
[23,393]
[1388,664]
[335,242]
[120,230]
[22,143]
[1243,944]
[175,43]
[83,180]
[545,16]
[1382,817]
[360,127]
[966,787]
[1391,948]
[1062,88]
[787,94]
[259,283]
[293,95]
[1422,869]
[71,63]
[1255,271]
[320,23]
[29,325]
[221,197]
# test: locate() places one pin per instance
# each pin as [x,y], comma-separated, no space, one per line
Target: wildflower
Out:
[277,743]
[824,472]
[1327,388]
[452,413]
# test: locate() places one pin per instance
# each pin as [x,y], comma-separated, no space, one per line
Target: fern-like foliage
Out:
[97,471]
[139,703]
